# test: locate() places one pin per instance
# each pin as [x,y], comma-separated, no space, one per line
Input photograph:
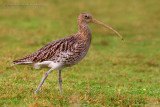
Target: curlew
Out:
[64,52]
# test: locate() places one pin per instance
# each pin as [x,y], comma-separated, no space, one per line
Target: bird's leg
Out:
[44,77]
[60,81]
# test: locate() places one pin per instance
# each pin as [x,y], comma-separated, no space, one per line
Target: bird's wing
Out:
[49,51]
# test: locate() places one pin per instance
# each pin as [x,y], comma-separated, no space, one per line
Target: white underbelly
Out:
[48,64]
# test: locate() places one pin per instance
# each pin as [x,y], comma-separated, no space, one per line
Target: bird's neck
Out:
[84,32]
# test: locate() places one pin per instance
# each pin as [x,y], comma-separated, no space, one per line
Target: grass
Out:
[114,72]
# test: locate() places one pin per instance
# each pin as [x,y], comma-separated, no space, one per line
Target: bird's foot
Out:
[35,92]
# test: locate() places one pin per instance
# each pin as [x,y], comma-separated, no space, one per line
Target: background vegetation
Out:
[114,72]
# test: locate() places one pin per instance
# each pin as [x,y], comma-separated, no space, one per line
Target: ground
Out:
[114,72]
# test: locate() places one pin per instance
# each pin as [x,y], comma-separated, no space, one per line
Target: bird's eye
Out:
[86,17]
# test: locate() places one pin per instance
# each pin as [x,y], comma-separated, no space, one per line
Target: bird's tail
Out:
[21,62]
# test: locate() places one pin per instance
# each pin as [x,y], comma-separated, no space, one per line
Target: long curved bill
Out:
[106,26]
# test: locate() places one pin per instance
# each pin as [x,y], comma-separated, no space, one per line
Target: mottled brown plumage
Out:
[64,52]
[51,52]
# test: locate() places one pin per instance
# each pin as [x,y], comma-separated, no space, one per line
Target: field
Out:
[114,72]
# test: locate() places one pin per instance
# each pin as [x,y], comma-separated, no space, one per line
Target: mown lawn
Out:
[114,72]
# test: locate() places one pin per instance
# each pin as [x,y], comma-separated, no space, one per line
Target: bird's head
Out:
[87,18]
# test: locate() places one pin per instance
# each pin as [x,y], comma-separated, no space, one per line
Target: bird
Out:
[64,52]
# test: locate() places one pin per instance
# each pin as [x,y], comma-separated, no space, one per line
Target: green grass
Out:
[114,72]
